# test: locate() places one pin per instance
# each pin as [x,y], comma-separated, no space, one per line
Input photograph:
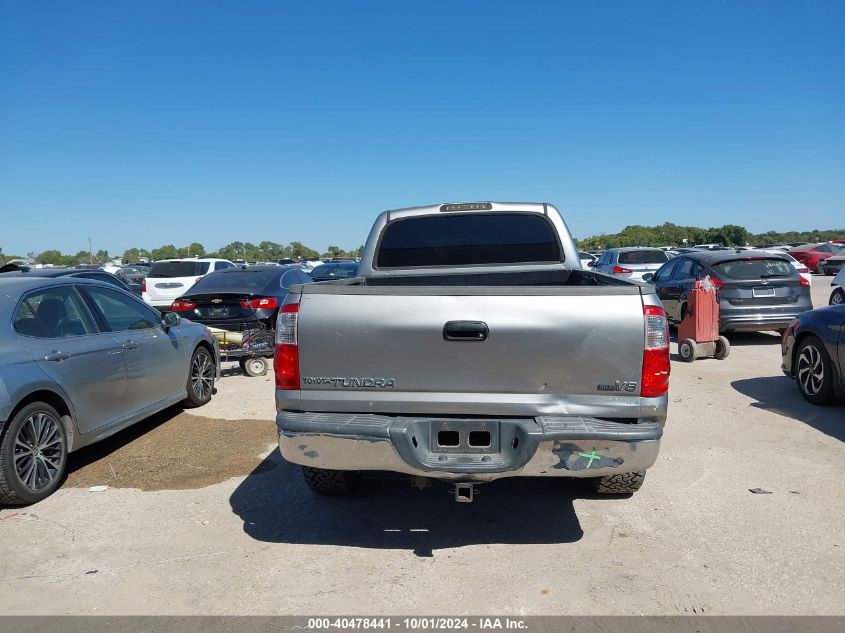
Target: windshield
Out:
[643,257]
[755,268]
[467,240]
[178,269]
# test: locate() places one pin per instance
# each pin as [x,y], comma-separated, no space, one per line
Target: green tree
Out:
[168,251]
[297,250]
[102,256]
[52,257]
[334,251]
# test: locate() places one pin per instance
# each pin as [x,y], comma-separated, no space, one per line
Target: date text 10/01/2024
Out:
[417,623]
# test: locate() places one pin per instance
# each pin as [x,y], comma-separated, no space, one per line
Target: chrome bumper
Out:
[546,447]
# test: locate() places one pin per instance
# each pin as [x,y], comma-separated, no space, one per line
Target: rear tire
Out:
[814,372]
[723,348]
[34,436]
[253,367]
[201,374]
[837,297]
[687,350]
[620,484]
[329,482]
[820,269]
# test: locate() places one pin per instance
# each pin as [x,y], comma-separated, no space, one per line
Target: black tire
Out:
[48,456]
[687,349]
[253,366]
[619,484]
[811,360]
[820,269]
[329,482]
[200,390]
[723,348]
[837,297]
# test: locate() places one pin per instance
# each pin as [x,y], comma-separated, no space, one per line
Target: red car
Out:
[813,254]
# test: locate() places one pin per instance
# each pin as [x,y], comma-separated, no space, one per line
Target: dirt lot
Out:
[201,516]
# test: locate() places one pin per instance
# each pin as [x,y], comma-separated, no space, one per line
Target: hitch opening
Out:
[465,493]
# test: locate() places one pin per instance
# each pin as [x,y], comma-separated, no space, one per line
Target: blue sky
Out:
[143,123]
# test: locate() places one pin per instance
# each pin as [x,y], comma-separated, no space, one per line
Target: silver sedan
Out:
[79,361]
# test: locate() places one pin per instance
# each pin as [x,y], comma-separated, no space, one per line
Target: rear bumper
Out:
[743,321]
[526,447]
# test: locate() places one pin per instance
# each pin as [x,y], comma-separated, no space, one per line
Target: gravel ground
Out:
[202,517]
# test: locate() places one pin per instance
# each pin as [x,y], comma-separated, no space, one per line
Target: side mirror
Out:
[591,264]
[648,276]
[169,320]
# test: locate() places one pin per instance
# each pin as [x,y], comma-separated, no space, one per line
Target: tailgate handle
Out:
[465,331]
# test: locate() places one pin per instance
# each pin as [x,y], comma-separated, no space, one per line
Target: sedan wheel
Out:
[837,297]
[33,455]
[813,371]
[201,378]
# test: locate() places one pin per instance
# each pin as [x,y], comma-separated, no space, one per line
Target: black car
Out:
[85,273]
[238,299]
[334,270]
[813,352]
[757,291]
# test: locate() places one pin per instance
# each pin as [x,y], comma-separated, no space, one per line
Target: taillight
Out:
[264,303]
[803,269]
[182,306]
[619,270]
[655,378]
[805,282]
[143,285]
[717,282]
[286,360]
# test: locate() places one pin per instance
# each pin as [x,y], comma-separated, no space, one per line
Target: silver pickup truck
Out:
[472,346]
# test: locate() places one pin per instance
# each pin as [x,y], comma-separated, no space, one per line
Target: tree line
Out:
[666,234]
[263,252]
[669,234]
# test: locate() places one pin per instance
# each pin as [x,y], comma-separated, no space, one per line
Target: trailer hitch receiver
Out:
[465,493]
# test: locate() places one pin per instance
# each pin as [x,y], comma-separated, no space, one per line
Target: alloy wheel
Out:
[38,452]
[811,370]
[202,376]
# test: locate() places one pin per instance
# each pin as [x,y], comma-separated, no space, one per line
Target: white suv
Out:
[171,278]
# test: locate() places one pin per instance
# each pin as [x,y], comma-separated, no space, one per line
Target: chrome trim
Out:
[570,447]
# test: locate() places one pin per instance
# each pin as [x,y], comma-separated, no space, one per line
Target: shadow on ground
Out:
[744,339]
[779,394]
[387,513]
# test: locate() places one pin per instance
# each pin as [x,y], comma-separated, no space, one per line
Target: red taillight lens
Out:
[263,303]
[805,282]
[143,285]
[655,377]
[286,360]
[620,270]
[182,306]
[717,282]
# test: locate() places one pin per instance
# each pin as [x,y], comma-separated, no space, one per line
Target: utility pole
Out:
[90,252]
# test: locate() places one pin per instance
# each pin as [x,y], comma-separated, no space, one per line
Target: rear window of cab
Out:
[468,240]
